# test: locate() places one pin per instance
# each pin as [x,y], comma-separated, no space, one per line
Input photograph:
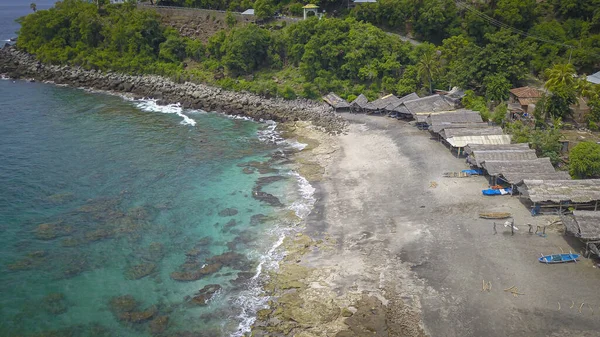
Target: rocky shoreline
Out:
[21,65]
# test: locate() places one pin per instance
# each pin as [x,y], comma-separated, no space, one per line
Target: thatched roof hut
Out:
[381,103]
[394,105]
[336,101]
[558,191]
[477,157]
[515,171]
[583,224]
[433,103]
[460,132]
[455,119]
[498,147]
[361,104]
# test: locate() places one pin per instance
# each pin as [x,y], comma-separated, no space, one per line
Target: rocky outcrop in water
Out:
[18,64]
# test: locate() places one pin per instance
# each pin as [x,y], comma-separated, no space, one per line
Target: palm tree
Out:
[560,75]
[585,88]
[33,6]
[428,68]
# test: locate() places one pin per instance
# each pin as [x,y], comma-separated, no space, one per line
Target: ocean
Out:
[120,217]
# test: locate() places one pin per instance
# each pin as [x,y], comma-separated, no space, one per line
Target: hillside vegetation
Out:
[312,57]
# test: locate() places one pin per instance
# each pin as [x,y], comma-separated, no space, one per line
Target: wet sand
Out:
[398,250]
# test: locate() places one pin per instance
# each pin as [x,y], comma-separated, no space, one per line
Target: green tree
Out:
[496,87]
[558,103]
[230,19]
[584,161]
[476,103]
[560,76]
[263,9]
[428,68]
[33,6]
[246,49]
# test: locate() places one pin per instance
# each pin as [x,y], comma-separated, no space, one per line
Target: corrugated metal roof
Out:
[460,132]
[500,147]
[528,101]
[585,190]
[463,141]
[524,92]
[594,78]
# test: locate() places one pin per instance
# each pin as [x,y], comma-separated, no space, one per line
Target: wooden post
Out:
[560,207]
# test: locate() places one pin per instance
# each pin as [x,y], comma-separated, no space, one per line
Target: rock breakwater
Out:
[18,64]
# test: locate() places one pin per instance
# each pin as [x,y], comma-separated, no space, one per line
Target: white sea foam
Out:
[150,105]
[254,298]
[303,206]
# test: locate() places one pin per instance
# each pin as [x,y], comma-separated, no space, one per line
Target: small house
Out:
[336,102]
[527,97]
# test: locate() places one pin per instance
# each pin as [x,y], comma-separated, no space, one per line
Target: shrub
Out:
[584,161]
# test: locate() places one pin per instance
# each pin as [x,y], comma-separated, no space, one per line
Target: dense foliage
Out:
[584,161]
[545,141]
[120,38]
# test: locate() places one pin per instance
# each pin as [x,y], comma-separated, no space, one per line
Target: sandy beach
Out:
[395,249]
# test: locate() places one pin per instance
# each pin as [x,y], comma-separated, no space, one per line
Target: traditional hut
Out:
[454,119]
[498,147]
[428,104]
[379,105]
[579,194]
[361,105]
[466,131]
[396,109]
[477,157]
[584,225]
[527,97]
[338,103]
[460,142]
[515,171]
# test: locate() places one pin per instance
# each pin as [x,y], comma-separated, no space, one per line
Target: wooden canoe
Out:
[559,258]
[494,215]
[456,175]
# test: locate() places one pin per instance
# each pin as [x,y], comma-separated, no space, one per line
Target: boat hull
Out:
[558,258]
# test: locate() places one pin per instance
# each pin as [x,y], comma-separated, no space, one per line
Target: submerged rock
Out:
[258,219]
[55,303]
[139,316]
[230,259]
[139,271]
[205,294]
[50,231]
[266,197]
[228,212]
[159,324]
[121,304]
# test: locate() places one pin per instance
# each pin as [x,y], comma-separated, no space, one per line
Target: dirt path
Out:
[406,234]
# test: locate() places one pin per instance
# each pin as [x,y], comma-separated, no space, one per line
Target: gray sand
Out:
[405,232]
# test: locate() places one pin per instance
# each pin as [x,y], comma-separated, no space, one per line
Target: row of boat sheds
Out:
[488,150]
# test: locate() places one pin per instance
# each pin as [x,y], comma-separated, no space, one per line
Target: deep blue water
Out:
[10,10]
[103,197]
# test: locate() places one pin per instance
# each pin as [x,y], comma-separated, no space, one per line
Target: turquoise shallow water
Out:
[102,199]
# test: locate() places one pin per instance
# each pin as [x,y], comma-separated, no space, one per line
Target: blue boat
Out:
[559,258]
